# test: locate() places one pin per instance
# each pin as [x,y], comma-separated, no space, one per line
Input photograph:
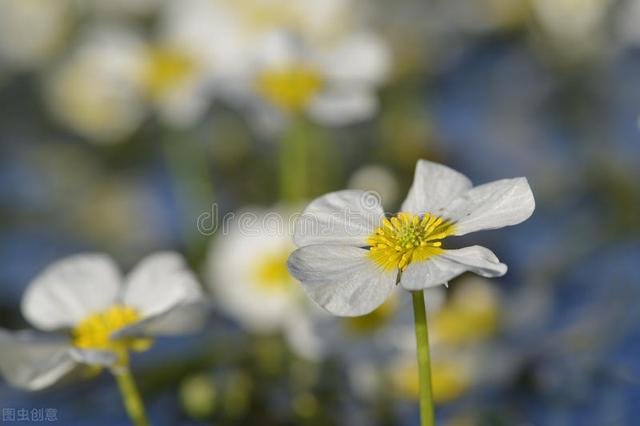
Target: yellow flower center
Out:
[94,332]
[271,273]
[166,70]
[290,88]
[449,380]
[407,238]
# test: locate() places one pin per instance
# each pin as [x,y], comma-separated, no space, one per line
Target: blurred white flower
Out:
[249,281]
[627,18]
[351,257]
[376,178]
[577,26]
[31,31]
[333,85]
[175,83]
[371,340]
[96,91]
[275,58]
[462,351]
[105,316]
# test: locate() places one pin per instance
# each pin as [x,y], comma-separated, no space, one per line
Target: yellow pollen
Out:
[95,331]
[271,274]
[290,88]
[407,238]
[166,70]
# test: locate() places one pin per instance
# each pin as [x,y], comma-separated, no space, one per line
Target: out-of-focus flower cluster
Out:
[204,127]
[108,68]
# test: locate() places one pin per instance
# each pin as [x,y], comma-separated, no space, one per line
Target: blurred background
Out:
[132,126]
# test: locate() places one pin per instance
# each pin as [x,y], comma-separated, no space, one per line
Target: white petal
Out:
[493,205]
[302,337]
[442,268]
[434,187]
[183,319]
[339,106]
[31,361]
[159,283]
[362,58]
[97,358]
[341,279]
[70,289]
[344,217]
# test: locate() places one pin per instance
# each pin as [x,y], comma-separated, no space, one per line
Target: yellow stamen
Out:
[270,272]
[407,238]
[95,331]
[166,70]
[290,88]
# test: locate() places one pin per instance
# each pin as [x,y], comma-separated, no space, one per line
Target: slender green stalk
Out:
[130,396]
[424,361]
[192,184]
[294,161]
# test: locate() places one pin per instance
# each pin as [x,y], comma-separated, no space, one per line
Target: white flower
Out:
[248,277]
[350,257]
[105,316]
[333,84]
[96,90]
[32,31]
[275,58]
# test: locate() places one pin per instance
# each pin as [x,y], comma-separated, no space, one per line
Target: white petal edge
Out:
[70,289]
[440,269]
[33,361]
[362,58]
[344,217]
[159,283]
[184,319]
[339,106]
[493,205]
[434,187]
[341,279]
[94,358]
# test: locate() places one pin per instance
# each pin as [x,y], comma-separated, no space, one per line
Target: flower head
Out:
[248,276]
[351,256]
[102,316]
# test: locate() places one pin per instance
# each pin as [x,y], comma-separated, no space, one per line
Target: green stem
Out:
[294,161]
[192,185]
[130,396]
[424,362]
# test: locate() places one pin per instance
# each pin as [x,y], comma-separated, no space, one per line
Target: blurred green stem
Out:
[192,184]
[130,396]
[294,164]
[424,361]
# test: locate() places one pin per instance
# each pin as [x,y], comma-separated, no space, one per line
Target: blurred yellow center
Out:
[94,332]
[166,70]
[370,322]
[449,380]
[271,272]
[407,238]
[290,88]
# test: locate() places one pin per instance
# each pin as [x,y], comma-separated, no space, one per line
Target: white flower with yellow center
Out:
[351,256]
[333,84]
[100,316]
[249,281]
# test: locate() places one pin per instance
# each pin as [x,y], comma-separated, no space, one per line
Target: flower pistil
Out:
[407,238]
[96,330]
